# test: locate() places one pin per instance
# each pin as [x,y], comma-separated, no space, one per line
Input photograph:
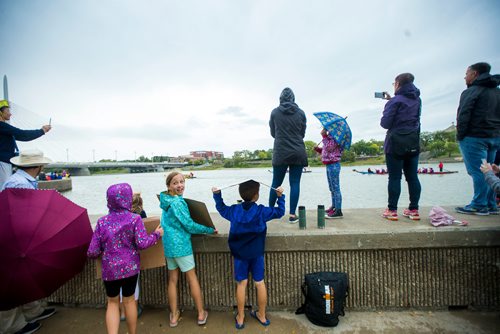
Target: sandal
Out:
[263,323]
[172,316]
[204,321]
[238,325]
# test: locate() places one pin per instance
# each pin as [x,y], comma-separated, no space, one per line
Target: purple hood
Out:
[119,197]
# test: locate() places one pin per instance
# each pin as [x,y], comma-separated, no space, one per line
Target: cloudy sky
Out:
[128,78]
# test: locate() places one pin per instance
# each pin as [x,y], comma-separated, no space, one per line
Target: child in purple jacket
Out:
[330,156]
[118,237]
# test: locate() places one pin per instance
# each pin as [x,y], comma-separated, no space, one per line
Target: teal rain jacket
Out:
[178,226]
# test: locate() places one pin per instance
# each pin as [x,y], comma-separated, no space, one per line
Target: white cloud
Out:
[171,77]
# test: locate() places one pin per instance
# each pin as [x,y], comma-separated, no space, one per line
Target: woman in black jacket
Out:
[288,128]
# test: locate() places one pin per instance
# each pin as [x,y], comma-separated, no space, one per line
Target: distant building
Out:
[451,128]
[209,155]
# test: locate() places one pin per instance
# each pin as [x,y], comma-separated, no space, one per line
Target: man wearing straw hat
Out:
[8,136]
[24,319]
[30,164]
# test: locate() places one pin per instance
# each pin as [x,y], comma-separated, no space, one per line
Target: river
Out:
[358,191]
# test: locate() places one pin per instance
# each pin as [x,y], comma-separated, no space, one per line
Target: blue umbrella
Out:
[337,127]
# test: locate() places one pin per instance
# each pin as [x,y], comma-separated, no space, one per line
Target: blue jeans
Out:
[333,176]
[294,175]
[395,168]
[475,149]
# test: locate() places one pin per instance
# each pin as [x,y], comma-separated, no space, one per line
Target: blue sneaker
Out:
[469,210]
[493,211]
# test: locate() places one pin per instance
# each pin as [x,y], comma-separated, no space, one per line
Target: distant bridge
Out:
[83,168]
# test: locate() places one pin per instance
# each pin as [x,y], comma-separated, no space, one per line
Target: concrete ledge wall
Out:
[434,276]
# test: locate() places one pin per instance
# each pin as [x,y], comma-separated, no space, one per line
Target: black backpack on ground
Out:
[325,294]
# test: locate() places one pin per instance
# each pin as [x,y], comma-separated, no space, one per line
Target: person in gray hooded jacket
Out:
[288,128]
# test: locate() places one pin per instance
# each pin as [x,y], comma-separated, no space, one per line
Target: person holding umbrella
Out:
[288,128]
[8,136]
[337,137]
[331,153]
[401,118]
[24,319]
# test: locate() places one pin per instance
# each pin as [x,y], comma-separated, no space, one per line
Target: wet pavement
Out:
[91,320]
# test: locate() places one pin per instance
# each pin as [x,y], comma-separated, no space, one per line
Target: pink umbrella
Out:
[43,243]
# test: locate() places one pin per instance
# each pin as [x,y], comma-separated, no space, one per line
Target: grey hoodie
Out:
[288,128]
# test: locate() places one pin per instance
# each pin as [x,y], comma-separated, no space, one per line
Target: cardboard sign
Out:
[152,257]
[199,212]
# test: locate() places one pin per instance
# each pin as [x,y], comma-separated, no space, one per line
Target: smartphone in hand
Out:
[379,95]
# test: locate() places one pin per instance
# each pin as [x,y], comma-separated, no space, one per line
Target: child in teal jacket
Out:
[178,226]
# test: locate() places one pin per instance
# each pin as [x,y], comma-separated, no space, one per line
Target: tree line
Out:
[437,143]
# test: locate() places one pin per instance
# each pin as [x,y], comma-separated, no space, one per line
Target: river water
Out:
[358,191]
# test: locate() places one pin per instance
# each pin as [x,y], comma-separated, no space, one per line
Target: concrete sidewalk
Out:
[91,320]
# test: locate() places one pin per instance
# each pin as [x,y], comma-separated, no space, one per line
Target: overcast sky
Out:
[131,78]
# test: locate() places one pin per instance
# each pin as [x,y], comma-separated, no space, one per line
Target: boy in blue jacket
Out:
[247,238]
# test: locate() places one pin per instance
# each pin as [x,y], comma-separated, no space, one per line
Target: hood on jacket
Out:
[248,211]
[119,197]
[487,80]
[409,90]
[287,102]
[166,200]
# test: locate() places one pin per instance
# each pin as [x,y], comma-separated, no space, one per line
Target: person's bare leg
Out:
[113,315]
[194,287]
[173,278]
[241,289]
[130,307]
[261,300]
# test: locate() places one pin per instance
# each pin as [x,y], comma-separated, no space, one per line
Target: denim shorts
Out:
[185,263]
[254,266]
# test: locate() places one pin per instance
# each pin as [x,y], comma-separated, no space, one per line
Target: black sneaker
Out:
[293,219]
[30,327]
[469,210]
[335,214]
[47,313]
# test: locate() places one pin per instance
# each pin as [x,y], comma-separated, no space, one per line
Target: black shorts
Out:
[127,284]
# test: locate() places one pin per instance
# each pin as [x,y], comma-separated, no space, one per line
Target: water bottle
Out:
[321,216]
[302,217]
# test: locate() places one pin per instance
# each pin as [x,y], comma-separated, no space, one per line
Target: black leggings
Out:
[127,284]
